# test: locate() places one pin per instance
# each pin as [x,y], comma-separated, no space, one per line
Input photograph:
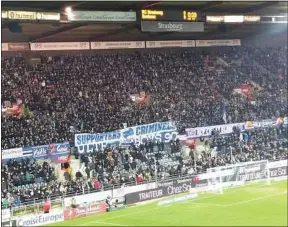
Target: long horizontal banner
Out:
[59,152]
[27,15]
[102,16]
[117,45]
[60,46]
[162,26]
[172,43]
[227,128]
[206,131]
[223,42]
[158,131]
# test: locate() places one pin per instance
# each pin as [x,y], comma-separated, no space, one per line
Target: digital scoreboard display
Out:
[170,15]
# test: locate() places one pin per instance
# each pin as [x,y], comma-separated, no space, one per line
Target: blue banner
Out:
[158,131]
[52,151]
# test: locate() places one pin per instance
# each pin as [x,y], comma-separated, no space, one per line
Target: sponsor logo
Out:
[58,148]
[165,189]
[40,219]
[128,133]
[278,172]
[39,151]
[82,211]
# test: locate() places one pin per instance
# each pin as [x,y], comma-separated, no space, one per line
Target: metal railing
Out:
[36,206]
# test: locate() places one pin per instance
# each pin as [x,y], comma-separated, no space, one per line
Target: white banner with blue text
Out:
[141,134]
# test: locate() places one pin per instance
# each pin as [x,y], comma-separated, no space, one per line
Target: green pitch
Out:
[251,205]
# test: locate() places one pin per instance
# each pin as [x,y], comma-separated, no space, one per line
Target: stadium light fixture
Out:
[68,10]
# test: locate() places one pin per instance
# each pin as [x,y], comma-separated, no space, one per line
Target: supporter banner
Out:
[227,128]
[165,189]
[206,131]
[4,46]
[60,46]
[40,219]
[59,152]
[159,131]
[162,26]
[117,45]
[12,153]
[223,42]
[172,43]
[102,16]
[39,152]
[85,210]
[18,46]
[257,124]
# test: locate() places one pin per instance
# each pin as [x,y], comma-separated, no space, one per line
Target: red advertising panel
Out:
[84,210]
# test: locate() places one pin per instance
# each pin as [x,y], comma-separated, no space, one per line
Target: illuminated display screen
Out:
[170,15]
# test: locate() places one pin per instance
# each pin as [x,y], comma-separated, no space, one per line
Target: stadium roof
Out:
[69,32]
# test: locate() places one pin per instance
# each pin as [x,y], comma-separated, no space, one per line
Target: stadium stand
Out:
[92,93]
[69,94]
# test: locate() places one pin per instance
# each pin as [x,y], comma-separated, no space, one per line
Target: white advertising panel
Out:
[223,42]
[117,45]
[60,46]
[40,219]
[12,153]
[171,43]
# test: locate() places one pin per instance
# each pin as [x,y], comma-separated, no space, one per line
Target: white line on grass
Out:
[109,223]
[137,212]
[208,204]
[192,201]
[256,199]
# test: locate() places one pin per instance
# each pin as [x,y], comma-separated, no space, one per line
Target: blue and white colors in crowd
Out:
[228,128]
[158,131]
[206,131]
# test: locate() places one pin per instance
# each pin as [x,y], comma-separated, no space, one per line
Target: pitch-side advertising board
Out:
[165,189]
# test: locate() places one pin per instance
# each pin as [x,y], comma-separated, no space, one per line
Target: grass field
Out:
[251,205]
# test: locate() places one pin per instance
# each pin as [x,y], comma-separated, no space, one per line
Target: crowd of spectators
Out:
[91,93]
[116,167]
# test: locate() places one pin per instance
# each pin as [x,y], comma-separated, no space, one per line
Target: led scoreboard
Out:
[170,15]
